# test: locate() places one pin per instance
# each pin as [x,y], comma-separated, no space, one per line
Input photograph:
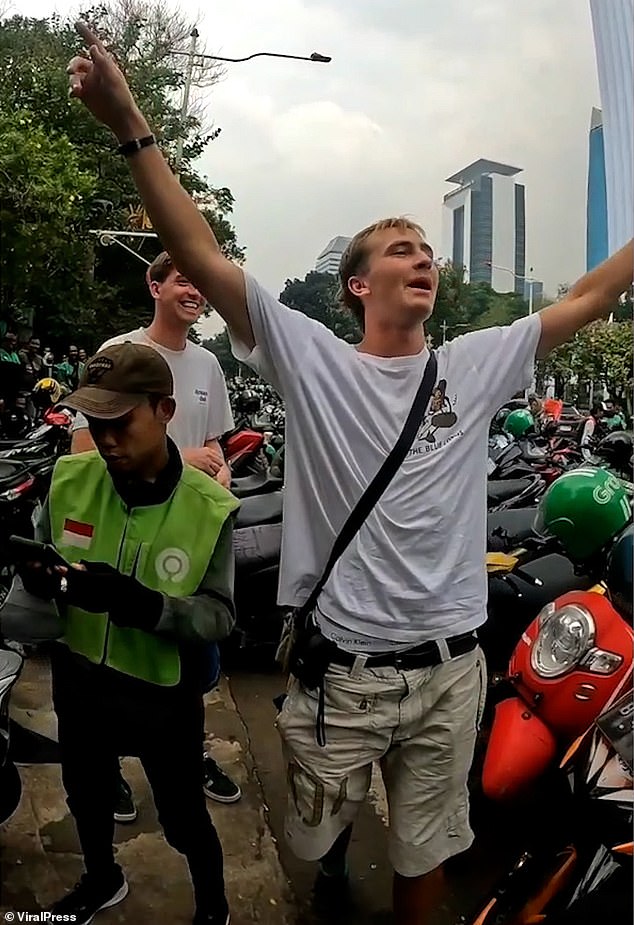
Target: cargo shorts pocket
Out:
[310,798]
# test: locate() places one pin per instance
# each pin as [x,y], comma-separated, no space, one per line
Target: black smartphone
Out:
[25,550]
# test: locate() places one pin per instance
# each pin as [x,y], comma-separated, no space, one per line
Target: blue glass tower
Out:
[597,205]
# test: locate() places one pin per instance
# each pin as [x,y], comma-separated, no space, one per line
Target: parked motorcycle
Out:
[615,451]
[509,493]
[49,439]
[565,668]
[520,584]
[576,655]
[10,784]
[244,450]
[22,488]
[257,539]
[582,875]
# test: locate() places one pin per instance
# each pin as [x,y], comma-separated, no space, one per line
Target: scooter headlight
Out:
[564,637]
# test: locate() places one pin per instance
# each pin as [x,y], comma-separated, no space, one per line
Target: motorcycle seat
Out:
[12,473]
[497,492]
[508,529]
[258,484]
[259,510]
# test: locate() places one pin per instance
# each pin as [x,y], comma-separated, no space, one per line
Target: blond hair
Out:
[355,257]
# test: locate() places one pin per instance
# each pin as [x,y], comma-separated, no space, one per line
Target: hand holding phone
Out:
[31,551]
[40,567]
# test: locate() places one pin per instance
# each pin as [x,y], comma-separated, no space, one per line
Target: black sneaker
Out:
[125,810]
[332,897]
[89,897]
[217,785]
[219,916]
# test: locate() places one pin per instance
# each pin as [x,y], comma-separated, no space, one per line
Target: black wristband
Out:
[131,147]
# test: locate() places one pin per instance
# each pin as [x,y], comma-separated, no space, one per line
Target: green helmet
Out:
[585,508]
[519,422]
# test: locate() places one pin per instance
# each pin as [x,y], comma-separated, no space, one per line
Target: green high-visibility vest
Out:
[166,546]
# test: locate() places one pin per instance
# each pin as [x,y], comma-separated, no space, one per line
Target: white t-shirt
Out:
[202,411]
[416,569]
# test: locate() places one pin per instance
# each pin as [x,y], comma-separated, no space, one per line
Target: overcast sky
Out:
[415,91]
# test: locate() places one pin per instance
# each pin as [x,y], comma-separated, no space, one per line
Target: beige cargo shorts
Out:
[420,725]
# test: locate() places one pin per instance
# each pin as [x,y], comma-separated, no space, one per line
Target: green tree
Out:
[34,53]
[461,307]
[317,296]
[600,353]
[501,308]
[44,200]
[450,316]
[220,346]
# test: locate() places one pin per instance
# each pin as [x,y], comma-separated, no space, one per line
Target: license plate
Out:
[565,428]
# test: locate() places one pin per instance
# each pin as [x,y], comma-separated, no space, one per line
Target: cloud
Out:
[414,92]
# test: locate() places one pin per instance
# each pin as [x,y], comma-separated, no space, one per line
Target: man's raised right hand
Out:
[98,82]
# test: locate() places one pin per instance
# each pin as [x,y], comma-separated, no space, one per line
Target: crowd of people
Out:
[603,418]
[384,653]
[24,365]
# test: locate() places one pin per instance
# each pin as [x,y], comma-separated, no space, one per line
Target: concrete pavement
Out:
[266,884]
[39,851]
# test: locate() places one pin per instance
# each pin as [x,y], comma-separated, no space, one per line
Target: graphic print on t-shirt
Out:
[440,416]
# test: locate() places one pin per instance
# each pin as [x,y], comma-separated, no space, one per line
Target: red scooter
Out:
[244,451]
[571,662]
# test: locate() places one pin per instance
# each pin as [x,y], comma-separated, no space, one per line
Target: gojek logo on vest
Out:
[172,564]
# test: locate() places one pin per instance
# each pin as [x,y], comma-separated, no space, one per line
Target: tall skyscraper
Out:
[597,247]
[613,26]
[330,258]
[484,225]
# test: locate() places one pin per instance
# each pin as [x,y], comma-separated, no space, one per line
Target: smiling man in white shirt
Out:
[203,412]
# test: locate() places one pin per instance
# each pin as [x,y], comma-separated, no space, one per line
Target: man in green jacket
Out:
[149,544]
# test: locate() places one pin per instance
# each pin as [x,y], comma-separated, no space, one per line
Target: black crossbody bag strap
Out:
[379,483]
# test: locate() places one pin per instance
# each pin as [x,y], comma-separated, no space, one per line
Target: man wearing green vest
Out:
[149,542]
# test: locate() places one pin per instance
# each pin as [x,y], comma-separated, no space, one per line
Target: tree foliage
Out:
[600,353]
[317,296]
[53,271]
[45,201]
[220,346]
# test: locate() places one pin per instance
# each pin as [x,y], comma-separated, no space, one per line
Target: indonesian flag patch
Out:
[77,534]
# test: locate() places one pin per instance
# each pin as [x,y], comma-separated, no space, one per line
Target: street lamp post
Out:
[191,55]
[186,91]
[315,57]
[527,279]
[444,327]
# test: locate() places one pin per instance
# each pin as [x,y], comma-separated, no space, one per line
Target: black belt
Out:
[424,656]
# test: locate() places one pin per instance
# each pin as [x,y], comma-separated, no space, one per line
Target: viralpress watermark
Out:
[38,917]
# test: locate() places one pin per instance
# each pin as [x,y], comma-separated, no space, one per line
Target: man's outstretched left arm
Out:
[591,298]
